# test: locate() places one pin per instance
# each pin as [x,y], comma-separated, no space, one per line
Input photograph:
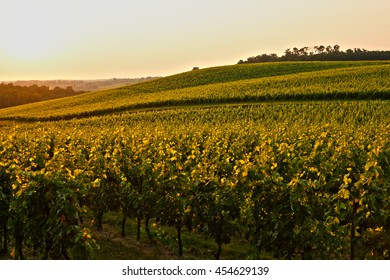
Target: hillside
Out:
[289,176]
[238,83]
[250,164]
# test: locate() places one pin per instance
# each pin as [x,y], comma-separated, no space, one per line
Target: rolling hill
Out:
[235,151]
[225,84]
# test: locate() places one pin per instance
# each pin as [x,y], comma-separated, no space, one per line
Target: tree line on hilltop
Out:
[320,53]
[12,95]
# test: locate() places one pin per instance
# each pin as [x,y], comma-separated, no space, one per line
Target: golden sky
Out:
[90,39]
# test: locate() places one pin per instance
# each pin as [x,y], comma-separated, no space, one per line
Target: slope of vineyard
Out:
[306,180]
[290,180]
[238,83]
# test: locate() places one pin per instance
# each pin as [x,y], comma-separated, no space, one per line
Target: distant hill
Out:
[14,95]
[248,83]
[85,85]
[24,92]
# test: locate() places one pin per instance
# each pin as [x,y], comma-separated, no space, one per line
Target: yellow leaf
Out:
[379,229]
[346,179]
[12,254]
[96,183]
[344,193]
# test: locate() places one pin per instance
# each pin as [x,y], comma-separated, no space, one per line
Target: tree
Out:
[287,52]
[303,51]
[319,49]
[329,49]
[321,53]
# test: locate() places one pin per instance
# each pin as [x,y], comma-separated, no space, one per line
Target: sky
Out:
[93,39]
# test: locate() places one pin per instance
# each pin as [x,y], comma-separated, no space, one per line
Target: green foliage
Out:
[306,180]
[228,84]
[297,180]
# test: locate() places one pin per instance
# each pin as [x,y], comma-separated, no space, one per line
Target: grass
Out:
[114,247]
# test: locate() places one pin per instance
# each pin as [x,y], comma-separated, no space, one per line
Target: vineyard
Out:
[265,82]
[289,160]
[307,180]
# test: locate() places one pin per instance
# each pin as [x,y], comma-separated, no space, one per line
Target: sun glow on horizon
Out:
[88,39]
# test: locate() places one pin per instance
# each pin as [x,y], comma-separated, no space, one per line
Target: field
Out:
[279,160]
[228,84]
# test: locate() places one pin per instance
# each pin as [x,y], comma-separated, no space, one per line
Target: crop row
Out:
[354,83]
[318,190]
